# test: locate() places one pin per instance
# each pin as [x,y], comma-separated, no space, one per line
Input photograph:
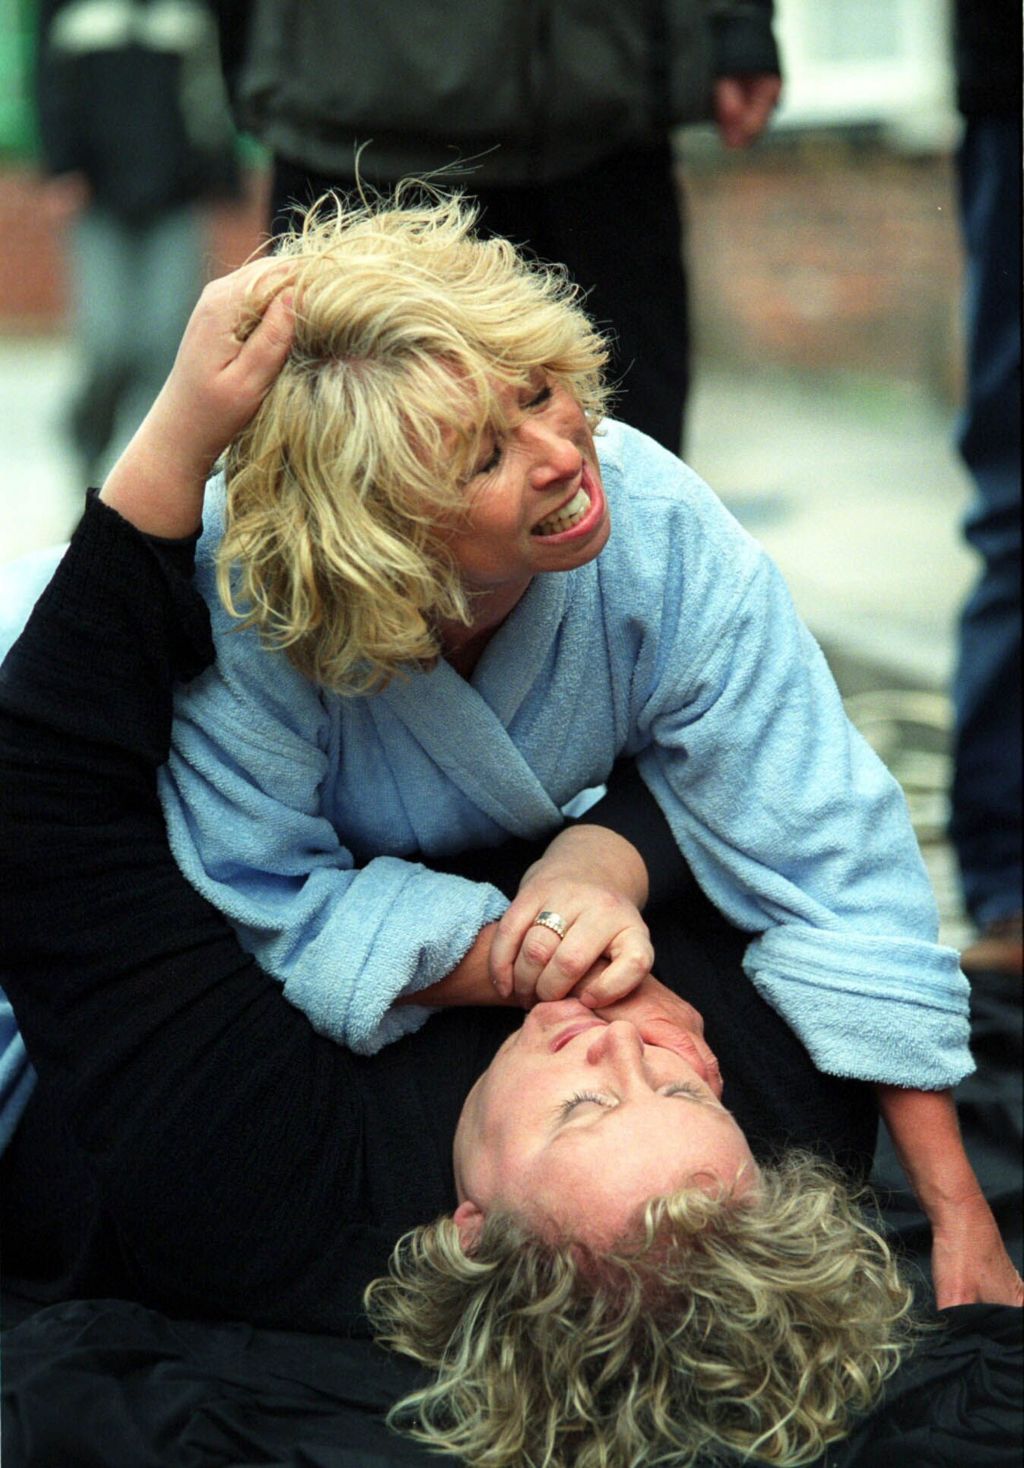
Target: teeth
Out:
[568,516]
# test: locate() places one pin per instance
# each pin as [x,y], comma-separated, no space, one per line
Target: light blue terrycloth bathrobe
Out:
[293,810]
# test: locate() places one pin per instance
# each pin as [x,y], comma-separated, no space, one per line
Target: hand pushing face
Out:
[578,1120]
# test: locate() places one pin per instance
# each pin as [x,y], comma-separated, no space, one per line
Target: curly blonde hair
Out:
[756,1324]
[407,326]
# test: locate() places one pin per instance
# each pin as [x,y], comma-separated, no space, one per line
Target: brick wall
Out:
[822,255]
[827,256]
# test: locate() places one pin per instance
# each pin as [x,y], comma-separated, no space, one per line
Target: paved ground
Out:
[853,487]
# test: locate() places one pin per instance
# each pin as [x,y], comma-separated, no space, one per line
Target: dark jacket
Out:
[528,90]
[129,94]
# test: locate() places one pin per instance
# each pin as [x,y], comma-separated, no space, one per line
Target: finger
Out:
[537,952]
[593,937]
[729,111]
[625,971]
[691,1047]
[517,920]
[265,351]
[631,956]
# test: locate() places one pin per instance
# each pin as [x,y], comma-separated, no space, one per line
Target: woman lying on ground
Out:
[241,1164]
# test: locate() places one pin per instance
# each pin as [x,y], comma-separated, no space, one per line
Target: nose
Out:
[618,1046]
[554,456]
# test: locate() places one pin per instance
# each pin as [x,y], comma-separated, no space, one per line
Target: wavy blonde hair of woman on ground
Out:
[760,1324]
[406,327]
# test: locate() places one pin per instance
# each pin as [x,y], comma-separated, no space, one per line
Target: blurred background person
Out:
[559,113]
[986,792]
[134,133]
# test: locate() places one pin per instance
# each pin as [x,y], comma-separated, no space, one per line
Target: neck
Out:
[463,645]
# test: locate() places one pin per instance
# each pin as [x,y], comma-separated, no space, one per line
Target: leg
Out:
[986,797]
[100,263]
[161,284]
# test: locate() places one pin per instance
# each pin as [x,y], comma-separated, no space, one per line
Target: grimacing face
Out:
[578,1120]
[535,501]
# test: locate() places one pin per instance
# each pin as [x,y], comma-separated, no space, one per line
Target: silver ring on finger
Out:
[551,920]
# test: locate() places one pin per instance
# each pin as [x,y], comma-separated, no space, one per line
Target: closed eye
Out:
[488,465]
[539,400]
[682,1089]
[583,1098]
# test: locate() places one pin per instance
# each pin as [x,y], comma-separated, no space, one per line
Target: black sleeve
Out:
[233,20]
[219,1130]
[744,44]
[182,1071]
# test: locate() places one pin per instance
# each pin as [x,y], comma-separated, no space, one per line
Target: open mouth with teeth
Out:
[564,519]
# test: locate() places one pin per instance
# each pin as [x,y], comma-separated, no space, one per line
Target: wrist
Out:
[154,488]
[469,982]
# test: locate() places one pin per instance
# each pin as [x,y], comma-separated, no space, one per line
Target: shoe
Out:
[998,949]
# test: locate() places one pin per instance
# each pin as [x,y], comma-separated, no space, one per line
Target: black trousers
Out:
[618,229]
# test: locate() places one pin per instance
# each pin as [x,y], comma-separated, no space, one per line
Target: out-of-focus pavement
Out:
[853,486]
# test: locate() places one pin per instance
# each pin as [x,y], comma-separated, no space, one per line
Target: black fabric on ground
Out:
[108,1384]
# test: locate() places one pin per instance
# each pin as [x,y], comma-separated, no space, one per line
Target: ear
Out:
[469,1220]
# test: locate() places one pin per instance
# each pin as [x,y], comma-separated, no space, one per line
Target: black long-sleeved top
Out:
[236,1163]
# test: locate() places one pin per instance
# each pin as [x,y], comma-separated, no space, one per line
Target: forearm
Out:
[469,982]
[925,1133]
[970,1263]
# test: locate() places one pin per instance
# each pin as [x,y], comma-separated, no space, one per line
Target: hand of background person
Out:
[666,1020]
[235,344]
[596,882]
[743,105]
[970,1264]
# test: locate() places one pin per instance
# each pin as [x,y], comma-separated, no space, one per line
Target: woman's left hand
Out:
[594,882]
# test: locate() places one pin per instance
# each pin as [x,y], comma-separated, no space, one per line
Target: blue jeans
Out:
[135,283]
[986,796]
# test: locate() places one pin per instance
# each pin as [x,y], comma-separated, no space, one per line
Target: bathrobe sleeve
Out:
[792,825]
[242,795]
